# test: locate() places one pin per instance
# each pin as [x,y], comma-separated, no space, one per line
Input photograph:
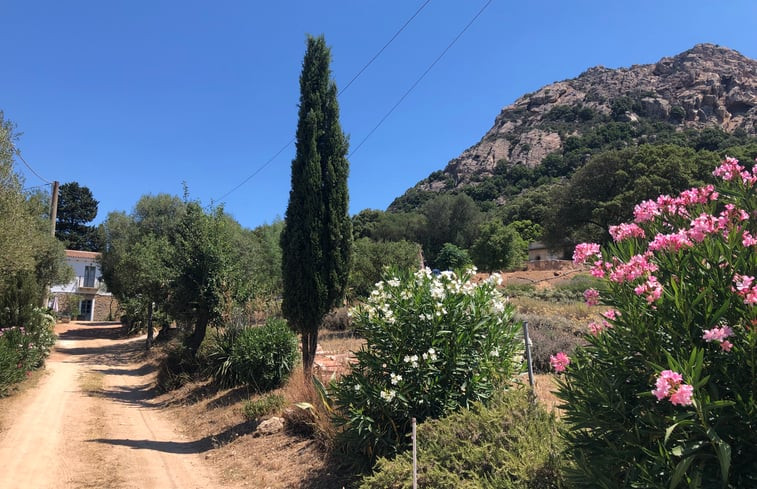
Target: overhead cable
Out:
[360,72]
[420,78]
[18,153]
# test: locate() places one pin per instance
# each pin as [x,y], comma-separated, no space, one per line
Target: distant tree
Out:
[77,207]
[399,226]
[137,255]
[364,223]
[317,237]
[528,230]
[604,191]
[452,257]
[449,219]
[498,247]
[201,265]
[371,258]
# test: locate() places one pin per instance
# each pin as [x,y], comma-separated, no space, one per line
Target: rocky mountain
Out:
[706,86]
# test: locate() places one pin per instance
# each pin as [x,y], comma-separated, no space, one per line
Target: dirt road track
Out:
[90,423]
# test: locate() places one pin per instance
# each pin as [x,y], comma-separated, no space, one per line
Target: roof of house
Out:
[82,254]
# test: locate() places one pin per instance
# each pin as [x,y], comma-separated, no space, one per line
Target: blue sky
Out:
[133,98]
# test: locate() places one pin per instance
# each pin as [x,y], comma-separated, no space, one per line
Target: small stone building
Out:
[538,251]
[84,298]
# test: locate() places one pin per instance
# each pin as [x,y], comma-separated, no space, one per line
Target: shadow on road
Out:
[197,446]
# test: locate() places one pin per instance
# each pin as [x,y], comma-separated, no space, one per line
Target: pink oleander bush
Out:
[665,392]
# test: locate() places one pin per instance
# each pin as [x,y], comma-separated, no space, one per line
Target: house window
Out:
[85,309]
[89,276]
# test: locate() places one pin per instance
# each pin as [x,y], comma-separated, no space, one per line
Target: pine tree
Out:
[77,207]
[317,237]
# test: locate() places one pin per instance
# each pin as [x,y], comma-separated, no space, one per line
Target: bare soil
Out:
[92,422]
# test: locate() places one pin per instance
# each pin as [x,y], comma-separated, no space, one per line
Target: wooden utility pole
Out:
[53,217]
[54,207]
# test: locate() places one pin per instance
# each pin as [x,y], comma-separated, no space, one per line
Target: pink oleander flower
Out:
[702,226]
[670,242]
[670,384]
[595,328]
[682,396]
[625,231]
[728,169]
[745,288]
[645,211]
[559,361]
[600,268]
[652,288]
[585,250]
[697,195]
[611,314]
[638,266]
[726,345]
[748,240]
[665,382]
[729,217]
[717,334]
[591,296]
[743,282]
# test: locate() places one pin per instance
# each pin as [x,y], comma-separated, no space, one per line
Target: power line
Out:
[385,46]
[29,189]
[375,56]
[421,77]
[18,153]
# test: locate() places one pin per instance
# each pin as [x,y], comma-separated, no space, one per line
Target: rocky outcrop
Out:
[707,85]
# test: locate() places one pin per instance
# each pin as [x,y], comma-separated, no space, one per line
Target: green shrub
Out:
[577,284]
[432,344]
[267,404]
[370,258]
[337,320]
[24,348]
[452,257]
[665,394]
[11,369]
[178,367]
[512,443]
[258,356]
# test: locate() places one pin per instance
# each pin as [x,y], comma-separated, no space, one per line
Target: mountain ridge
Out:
[705,86]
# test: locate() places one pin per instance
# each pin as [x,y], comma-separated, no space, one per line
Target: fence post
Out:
[527,339]
[415,458]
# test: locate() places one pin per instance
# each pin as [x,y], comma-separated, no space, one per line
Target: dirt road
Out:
[90,423]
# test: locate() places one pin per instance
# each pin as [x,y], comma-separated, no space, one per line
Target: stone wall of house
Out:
[105,308]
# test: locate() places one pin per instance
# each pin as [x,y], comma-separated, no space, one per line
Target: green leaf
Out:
[680,471]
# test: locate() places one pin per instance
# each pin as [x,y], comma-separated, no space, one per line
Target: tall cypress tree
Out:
[317,238]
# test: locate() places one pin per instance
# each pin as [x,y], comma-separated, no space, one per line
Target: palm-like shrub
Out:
[665,395]
[259,356]
[433,344]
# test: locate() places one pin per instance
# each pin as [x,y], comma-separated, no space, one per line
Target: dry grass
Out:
[576,311]
[545,388]
[283,460]
[339,342]
[91,382]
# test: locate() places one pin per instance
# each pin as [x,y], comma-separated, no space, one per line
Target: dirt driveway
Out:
[90,422]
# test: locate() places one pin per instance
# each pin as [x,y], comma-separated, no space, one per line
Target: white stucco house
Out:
[85,297]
